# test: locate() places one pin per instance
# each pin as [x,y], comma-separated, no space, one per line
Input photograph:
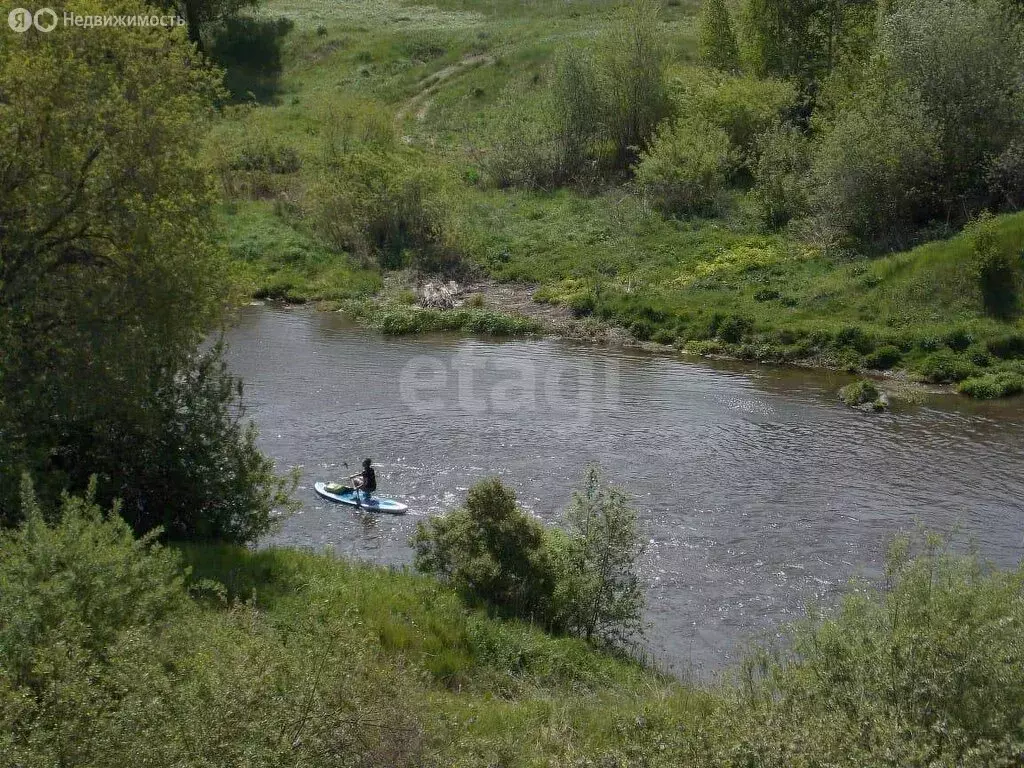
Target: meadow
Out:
[448,90]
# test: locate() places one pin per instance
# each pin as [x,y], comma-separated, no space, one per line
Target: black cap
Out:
[367,462]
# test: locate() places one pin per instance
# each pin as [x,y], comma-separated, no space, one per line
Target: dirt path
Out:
[419,104]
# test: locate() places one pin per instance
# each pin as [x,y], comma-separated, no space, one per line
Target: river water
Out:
[758,492]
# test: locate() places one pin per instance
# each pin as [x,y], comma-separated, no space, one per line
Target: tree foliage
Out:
[599,589]
[582,580]
[716,42]
[997,269]
[804,39]
[109,272]
[685,167]
[106,662]
[925,671]
[492,552]
[632,71]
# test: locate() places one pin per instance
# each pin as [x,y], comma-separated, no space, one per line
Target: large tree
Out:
[202,15]
[108,269]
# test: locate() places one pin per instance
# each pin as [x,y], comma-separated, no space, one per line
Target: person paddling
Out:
[365,481]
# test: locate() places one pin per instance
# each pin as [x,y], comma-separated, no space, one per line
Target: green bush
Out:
[582,580]
[926,670]
[716,42]
[598,591]
[883,358]
[400,320]
[684,169]
[1006,347]
[780,190]
[992,385]
[861,392]
[492,552]
[106,662]
[963,60]
[873,168]
[631,65]
[996,268]
[945,366]
[267,156]
[744,107]
[958,339]
[389,206]
[82,581]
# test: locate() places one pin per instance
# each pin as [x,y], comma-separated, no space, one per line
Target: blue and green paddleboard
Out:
[343,494]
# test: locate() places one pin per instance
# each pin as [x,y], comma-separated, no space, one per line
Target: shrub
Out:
[1005,177]
[599,593]
[861,392]
[105,661]
[716,40]
[641,329]
[946,366]
[576,110]
[82,582]
[492,552]
[1006,347]
[732,328]
[631,67]
[389,206]
[883,358]
[780,190]
[742,106]
[684,169]
[266,156]
[958,339]
[963,59]
[996,269]
[856,338]
[992,385]
[925,670]
[872,170]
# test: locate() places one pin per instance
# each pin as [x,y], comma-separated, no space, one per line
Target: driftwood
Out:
[438,295]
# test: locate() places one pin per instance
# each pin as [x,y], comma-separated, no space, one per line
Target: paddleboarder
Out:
[365,481]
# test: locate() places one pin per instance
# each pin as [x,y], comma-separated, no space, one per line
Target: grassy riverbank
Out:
[432,85]
[117,652]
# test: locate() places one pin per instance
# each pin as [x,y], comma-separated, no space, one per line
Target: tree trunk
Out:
[195,30]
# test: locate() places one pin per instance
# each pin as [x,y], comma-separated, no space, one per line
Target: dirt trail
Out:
[419,104]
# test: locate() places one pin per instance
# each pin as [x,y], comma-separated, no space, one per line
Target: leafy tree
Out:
[996,268]
[203,15]
[685,167]
[631,60]
[716,41]
[599,590]
[108,270]
[576,110]
[780,175]
[874,170]
[964,61]
[492,552]
[804,39]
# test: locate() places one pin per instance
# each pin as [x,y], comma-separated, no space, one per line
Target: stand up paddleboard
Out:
[343,494]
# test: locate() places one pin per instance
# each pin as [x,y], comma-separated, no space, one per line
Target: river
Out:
[758,492]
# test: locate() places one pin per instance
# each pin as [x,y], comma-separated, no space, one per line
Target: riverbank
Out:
[434,683]
[423,90]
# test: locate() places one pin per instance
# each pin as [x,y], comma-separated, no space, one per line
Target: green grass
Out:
[488,686]
[391,73]
[271,259]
